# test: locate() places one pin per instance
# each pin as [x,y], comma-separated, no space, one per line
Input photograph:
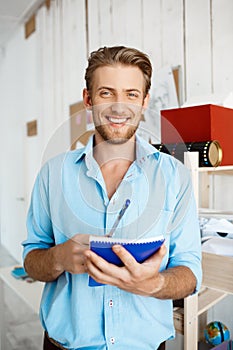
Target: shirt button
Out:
[112,340]
[110,303]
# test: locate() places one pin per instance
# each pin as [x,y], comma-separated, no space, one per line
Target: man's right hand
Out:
[69,255]
[46,265]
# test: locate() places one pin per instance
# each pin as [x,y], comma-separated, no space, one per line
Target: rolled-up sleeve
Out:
[185,239]
[39,226]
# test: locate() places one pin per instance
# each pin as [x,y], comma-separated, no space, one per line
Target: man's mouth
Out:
[117,120]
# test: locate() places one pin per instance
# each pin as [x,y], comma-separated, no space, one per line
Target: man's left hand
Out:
[138,278]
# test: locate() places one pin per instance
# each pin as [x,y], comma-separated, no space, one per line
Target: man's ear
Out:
[146,101]
[87,99]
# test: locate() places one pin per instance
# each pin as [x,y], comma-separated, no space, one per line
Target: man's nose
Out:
[119,107]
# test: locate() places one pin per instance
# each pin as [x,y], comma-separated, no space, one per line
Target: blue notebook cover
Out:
[141,249]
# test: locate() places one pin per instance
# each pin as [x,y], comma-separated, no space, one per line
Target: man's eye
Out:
[105,93]
[133,95]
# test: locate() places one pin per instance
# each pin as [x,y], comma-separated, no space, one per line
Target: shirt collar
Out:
[86,150]
[143,150]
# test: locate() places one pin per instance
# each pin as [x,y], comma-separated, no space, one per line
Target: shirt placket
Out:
[111,294]
[111,211]
[111,315]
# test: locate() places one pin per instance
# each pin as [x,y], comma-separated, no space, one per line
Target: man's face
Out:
[117,99]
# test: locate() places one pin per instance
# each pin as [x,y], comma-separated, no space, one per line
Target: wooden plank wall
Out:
[196,35]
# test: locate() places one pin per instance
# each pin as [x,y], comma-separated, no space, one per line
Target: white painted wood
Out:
[126,22]
[74,51]
[163,34]
[106,35]
[220,169]
[197,48]
[222,13]
[172,33]
[191,161]
[152,31]
[63,60]
[114,23]
[215,184]
[191,322]
[93,35]
[12,134]
[223,188]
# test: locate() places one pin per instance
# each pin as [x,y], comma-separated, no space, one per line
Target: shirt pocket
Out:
[156,223]
[160,226]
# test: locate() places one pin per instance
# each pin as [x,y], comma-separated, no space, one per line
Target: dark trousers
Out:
[50,346]
[162,346]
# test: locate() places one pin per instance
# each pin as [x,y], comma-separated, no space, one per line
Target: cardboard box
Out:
[200,123]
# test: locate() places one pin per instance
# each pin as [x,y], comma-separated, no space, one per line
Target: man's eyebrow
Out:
[112,89]
[105,88]
[133,89]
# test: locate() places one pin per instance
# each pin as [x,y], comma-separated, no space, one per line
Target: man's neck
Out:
[109,153]
[114,161]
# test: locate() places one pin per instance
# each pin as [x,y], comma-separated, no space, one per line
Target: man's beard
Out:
[116,137]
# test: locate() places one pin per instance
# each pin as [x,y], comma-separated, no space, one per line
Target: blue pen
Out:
[118,219]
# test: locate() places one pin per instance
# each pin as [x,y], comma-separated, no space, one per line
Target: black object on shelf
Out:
[210,152]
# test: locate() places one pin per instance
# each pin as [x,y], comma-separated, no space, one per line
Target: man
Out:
[81,193]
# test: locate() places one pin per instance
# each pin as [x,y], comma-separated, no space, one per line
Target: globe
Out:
[216,332]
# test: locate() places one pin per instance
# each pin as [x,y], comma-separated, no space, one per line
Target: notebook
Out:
[141,249]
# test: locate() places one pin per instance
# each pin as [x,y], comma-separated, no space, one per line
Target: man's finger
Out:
[127,259]
[100,269]
[100,263]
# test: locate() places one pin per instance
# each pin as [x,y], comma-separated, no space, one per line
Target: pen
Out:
[118,219]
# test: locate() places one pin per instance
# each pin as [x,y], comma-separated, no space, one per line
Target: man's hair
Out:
[106,56]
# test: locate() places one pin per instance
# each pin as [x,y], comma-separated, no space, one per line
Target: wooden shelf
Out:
[217,272]
[225,169]
[206,299]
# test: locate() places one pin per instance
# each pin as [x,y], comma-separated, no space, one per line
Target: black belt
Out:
[51,344]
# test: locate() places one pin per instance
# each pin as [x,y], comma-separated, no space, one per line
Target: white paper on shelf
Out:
[219,225]
[218,245]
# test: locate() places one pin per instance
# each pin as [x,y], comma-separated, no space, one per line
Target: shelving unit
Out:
[217,270]
[220,169]
[207,180]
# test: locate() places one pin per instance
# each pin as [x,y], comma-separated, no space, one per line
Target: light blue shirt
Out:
[70,197]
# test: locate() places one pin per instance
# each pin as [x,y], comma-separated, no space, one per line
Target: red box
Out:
[200,123]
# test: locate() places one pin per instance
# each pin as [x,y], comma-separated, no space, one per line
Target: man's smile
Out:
[117,119]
